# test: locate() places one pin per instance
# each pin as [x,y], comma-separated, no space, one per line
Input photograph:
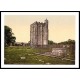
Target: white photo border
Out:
[76,14]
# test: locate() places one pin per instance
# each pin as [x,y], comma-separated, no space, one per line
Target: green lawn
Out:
[13,56]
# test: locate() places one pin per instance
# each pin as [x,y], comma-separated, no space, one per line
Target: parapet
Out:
[39,23]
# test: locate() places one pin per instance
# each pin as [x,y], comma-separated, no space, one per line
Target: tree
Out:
[9,38]
[69,41]
[50,42]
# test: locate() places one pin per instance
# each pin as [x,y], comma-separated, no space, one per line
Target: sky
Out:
[61,27]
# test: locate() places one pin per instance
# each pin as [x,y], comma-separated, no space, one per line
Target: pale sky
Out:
[61,27]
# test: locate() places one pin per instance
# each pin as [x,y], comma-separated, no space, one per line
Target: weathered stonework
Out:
[39,34]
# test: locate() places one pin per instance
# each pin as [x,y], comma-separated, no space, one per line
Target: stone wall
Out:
[39,34]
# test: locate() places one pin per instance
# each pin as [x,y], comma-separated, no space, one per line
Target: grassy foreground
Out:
[27,55]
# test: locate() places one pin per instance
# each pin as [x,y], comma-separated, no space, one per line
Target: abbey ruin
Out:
[39,34]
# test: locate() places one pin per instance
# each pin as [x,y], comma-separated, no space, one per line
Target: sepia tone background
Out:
[61,27]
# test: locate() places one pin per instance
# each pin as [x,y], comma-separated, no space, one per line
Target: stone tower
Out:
[39,34]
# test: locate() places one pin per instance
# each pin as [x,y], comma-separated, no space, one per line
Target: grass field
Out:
[28,55]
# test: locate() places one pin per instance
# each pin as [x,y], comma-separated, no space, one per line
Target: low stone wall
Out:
[58,51]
